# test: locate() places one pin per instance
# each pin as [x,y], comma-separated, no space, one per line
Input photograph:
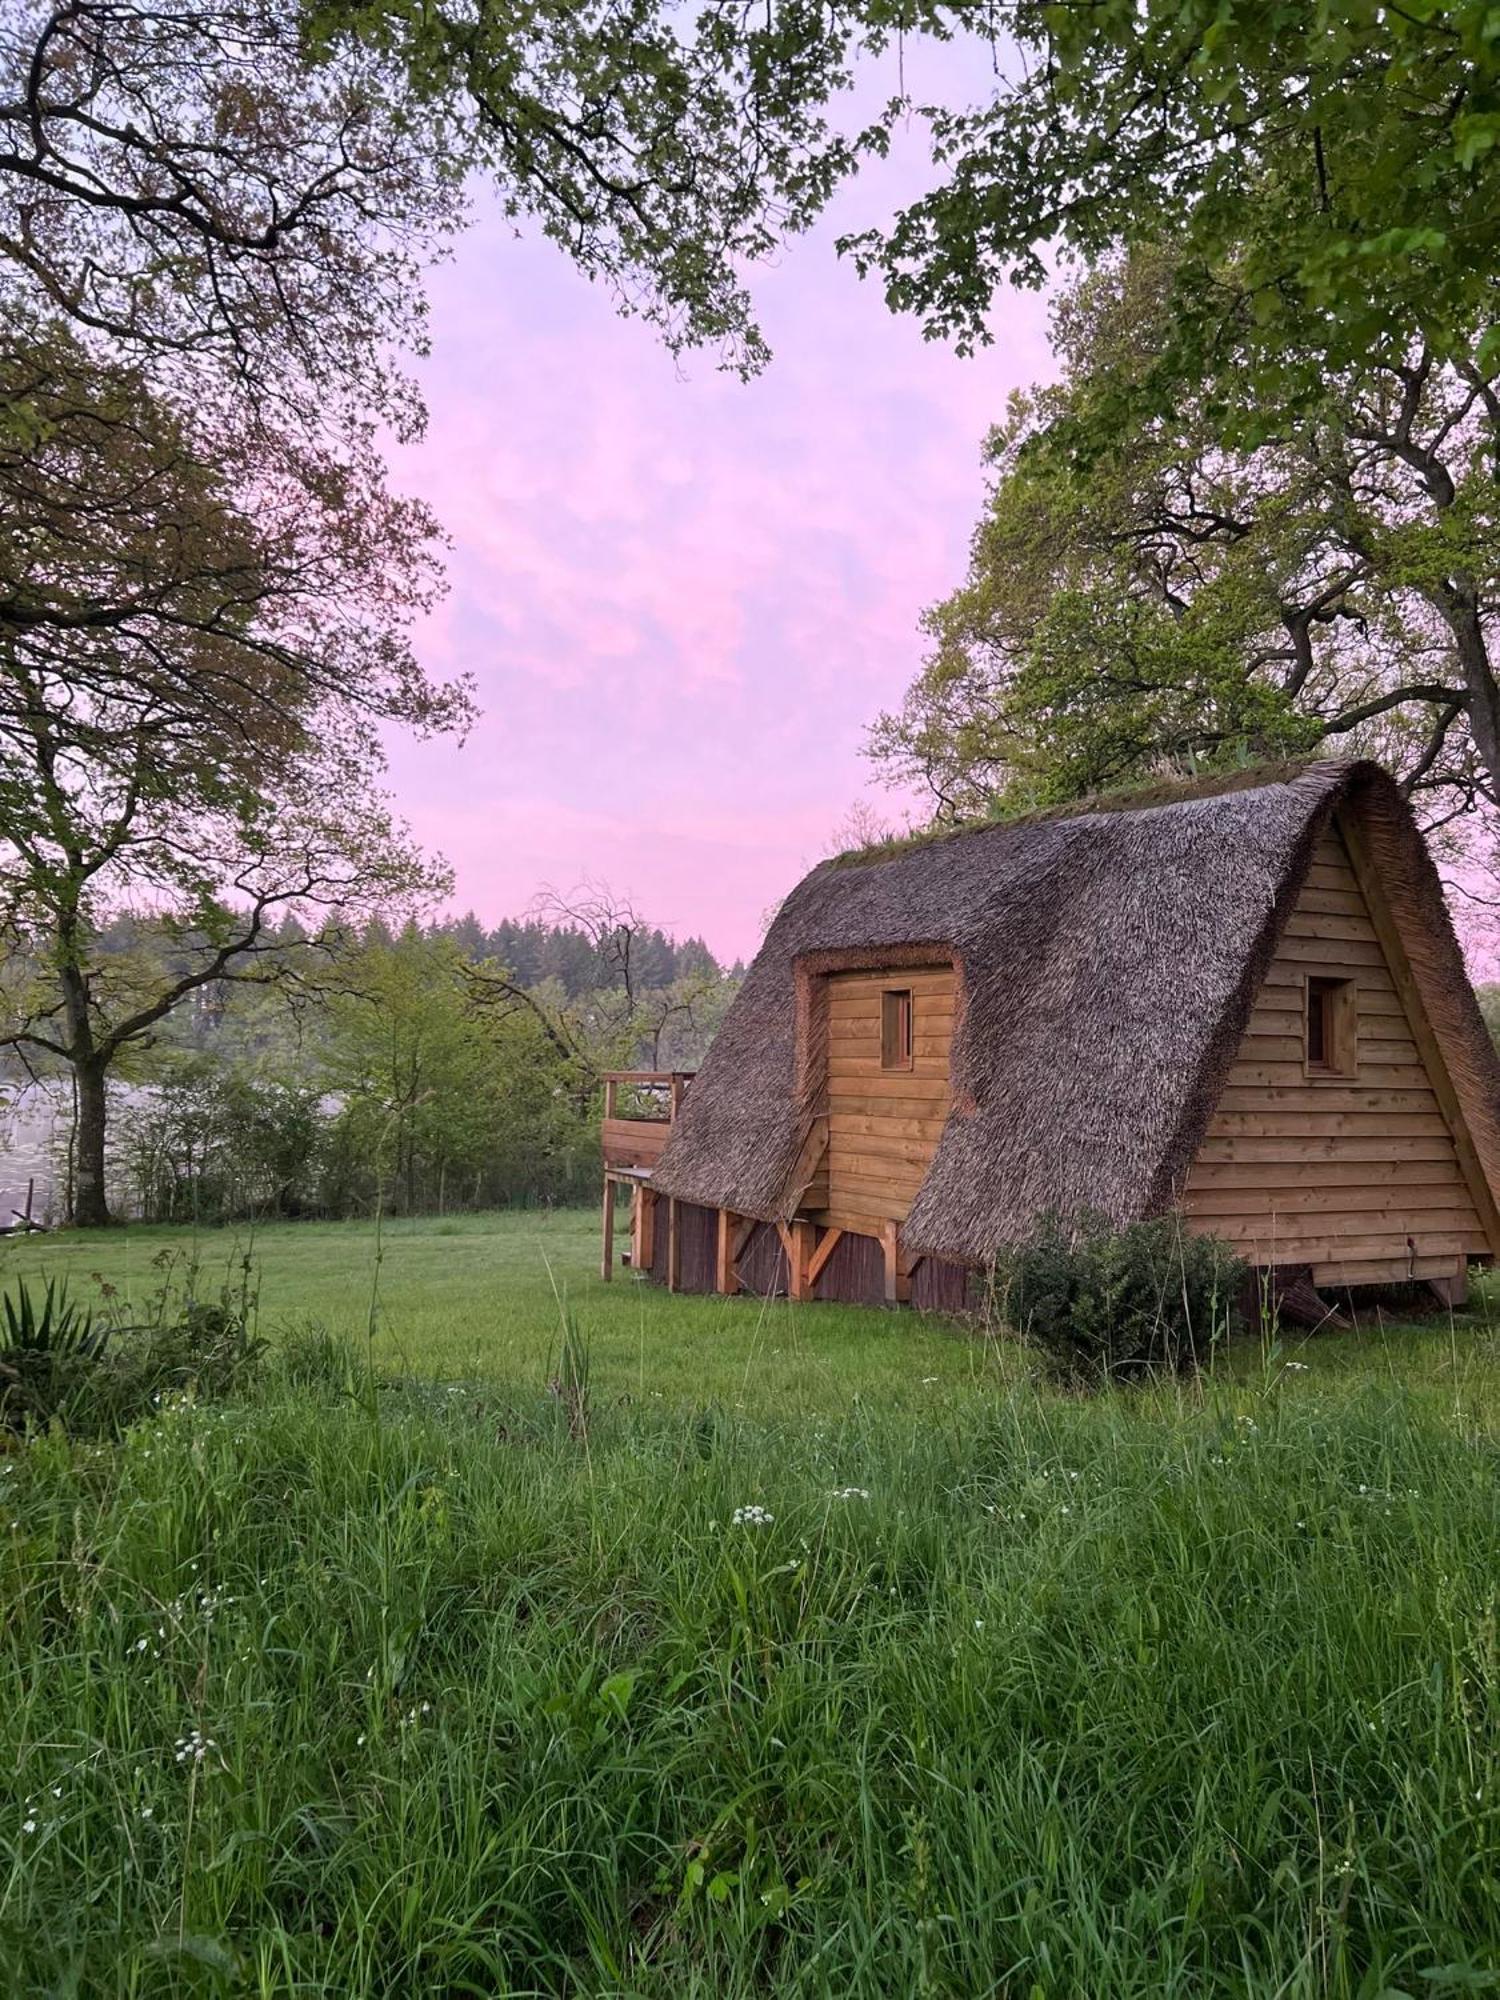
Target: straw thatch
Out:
[1107,960]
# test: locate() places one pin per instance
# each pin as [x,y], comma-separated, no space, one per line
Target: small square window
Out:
[1332,1027]
[895,1028]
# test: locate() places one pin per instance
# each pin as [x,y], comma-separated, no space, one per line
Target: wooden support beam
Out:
[821,1255]
[674,1246]
[800,1238]
[607,1253]
[897,1268]
[726,1262]
[1451,1292]
[645,1227]
[809,1159]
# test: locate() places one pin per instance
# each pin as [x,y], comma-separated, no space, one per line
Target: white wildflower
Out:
[194,1747]
[851,1493]
[753,1516]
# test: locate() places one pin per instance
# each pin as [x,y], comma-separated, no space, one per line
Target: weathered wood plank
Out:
[1325,927]
[1331,954]
[1300,1146]
[1342,1210]
[1275,1246]
[845,1068]
[1386,1271]
[1326,1124]
[875,1125]
[1283,1076]
[1284,972]
[1326,1095]
[846,1091]
[909,979]
[915,1153]
[1395,1170]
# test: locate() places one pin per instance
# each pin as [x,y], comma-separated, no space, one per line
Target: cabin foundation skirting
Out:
[718,1251]
[686,1247]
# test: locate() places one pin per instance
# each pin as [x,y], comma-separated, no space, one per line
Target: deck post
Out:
[607,1255]
[726,1264]
[1452,1292]
[674,1246]
[645,1250]
[897,1268]
[800,1238]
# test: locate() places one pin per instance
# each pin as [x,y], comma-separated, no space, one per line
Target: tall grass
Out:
[1129,1697]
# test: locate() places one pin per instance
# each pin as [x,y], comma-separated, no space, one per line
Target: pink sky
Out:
[683,598]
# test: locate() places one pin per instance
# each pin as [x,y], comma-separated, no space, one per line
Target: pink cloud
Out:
[684,598]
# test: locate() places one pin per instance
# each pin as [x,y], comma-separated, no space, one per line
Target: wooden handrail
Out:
[673,1081]
[645,1075]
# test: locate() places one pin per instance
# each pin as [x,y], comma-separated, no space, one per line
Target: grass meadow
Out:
[832,1655]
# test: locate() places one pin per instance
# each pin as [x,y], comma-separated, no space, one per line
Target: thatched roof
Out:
[1108,961]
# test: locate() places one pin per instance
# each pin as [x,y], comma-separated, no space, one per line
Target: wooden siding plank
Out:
[1325,1095]
[1342,1209]
[876,1125]
[1390,1271]
[1396,1170]
[910,980]
[875,1146]
[853,1221]
[1284,1076]
[1332,954]
[1300,1146]
[1284,972]
[866,1008]
[854,1092]
[871,1197]
[1328,1124]
[1326,929]
[1275,1246]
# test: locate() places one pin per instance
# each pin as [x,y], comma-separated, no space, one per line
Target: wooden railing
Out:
[633,1142]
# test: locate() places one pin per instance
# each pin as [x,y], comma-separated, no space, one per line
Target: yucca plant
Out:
[58,1325]
[49,1346]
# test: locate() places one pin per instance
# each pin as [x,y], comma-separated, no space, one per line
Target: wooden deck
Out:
[632,1140]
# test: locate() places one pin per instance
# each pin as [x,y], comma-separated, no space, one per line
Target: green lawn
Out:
[381,1687]
[479,1297]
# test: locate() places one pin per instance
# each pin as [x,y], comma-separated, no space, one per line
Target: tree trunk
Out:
[1467,626]
[90,1209]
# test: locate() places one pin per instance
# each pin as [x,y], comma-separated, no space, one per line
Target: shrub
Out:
[94,1372]
[1103,1304]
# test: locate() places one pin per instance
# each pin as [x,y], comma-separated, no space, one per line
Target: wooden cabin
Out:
[1241,1001]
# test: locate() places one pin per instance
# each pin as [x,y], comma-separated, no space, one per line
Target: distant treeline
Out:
[431,1068]
[535,951]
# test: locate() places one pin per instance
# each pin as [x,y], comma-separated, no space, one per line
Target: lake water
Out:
[34,1125]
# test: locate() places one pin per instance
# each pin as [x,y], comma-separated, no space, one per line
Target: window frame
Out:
[898,1028]
[1332,1000]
